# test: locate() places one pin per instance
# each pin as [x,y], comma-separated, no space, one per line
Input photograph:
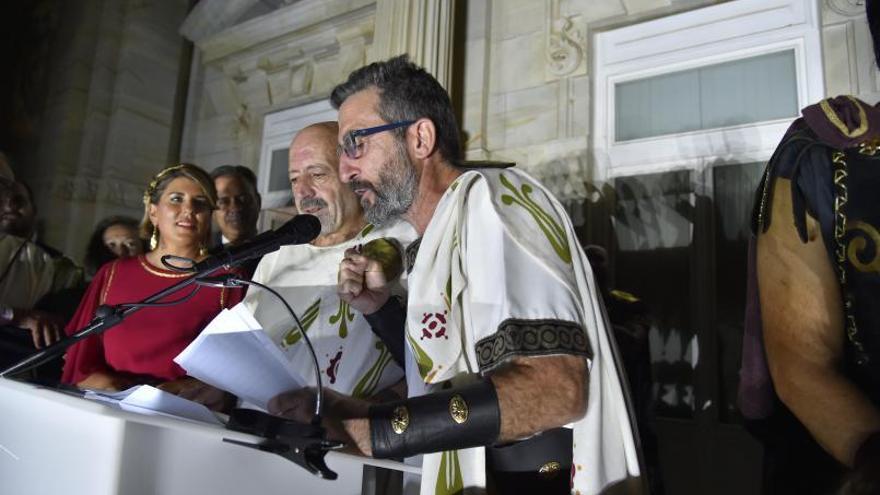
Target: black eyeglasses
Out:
[353,149]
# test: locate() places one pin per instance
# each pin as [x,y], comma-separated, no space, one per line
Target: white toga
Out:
[499,273]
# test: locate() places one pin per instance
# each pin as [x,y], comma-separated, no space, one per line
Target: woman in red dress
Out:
[140,350]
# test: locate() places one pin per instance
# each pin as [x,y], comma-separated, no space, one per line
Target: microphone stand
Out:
[300,229]
[106,317]
[304,444]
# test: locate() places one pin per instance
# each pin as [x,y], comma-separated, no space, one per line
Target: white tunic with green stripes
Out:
[352,359]
[499,273]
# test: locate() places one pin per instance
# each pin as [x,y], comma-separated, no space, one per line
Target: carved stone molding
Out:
[296,52]
[566,44]
[301,79]
[102,190]
[849,8]
[242,122]
[307,26]
[211,16]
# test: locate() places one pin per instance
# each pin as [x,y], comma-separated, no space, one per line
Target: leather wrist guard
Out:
[447,420]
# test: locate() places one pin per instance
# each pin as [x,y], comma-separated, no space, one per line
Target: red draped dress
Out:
[146,342]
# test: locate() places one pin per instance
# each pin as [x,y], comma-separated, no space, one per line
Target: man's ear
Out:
[423,135]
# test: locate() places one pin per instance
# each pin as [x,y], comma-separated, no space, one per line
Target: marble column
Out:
[421,28]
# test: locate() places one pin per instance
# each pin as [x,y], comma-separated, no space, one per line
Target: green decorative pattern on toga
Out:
[366,386]
[343,316]
[548,225]
[449,480]
[309,316]
[426,364]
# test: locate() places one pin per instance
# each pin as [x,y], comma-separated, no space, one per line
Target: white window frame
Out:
[278,130]
[721,33]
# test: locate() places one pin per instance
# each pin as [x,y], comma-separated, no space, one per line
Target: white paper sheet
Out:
[233,353]
[144,399]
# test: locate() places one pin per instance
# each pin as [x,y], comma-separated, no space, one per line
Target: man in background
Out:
[30,271]
[238,208]
[238,204]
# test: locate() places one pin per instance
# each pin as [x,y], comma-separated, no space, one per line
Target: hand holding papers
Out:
[233,353]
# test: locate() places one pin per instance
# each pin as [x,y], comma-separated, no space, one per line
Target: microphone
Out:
[301,229]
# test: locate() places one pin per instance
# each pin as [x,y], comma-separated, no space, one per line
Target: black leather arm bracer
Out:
[451,419]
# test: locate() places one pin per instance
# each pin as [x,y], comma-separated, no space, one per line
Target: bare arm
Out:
[539,393]
[802,316]
[534,393]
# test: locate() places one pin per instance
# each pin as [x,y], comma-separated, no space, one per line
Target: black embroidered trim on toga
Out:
[411,252]
[517,337]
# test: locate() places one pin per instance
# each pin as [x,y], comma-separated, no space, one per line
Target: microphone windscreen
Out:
[302,228]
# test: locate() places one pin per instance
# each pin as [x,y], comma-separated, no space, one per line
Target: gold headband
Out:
[155,182]
[190,171]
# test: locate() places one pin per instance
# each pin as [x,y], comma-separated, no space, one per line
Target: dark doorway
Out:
[677,241]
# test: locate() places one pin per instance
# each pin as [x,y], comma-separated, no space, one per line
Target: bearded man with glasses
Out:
[512,381]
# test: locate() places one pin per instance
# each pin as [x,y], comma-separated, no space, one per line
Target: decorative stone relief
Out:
[237,75]
[301,79]
[242,121]
[289,57]
[849,8]
[277,80]
[97,190]
[268,71]
[566,44]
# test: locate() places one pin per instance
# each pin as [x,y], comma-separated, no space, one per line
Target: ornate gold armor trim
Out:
[400,419]
[841,197]
[458,409]
[550,469]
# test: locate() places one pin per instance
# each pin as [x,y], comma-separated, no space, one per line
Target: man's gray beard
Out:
[323,215]
[327,224]
[395,190]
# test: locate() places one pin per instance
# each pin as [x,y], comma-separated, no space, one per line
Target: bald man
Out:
[352,359]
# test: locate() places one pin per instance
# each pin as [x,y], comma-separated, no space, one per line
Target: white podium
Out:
[57,444]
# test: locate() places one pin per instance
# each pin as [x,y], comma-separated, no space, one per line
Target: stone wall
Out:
[527,96]
[292,56]
[525,83]
[521,80]
[850,67]
[105,122]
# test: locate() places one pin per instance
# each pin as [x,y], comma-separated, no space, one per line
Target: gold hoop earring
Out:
[203,250]
[154,239]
